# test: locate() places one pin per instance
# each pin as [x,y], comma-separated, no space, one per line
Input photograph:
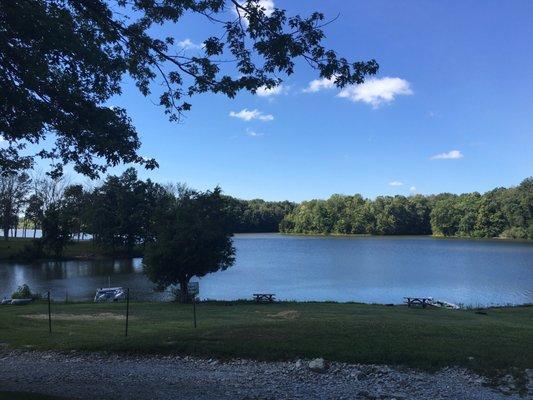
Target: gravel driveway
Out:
[94,376]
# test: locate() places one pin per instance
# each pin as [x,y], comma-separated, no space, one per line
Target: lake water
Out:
[363,269]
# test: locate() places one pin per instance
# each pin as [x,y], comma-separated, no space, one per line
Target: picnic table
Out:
[422,301]
[264,297]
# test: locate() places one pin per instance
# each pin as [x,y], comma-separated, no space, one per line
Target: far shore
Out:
[365,235]
[84,250]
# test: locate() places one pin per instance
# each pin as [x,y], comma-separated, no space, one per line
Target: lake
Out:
[362,269]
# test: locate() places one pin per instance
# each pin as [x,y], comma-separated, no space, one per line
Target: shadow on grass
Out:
[27,396]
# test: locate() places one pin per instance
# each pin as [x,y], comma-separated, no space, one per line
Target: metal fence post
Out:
[194,308]
[127,310]
[49,314]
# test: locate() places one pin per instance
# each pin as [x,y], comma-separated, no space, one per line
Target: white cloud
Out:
[251,133]
[266,5]
[395,183]
[450,155]
[263,91]
[320,84]
[412,189]
[377,91]
[188,44]
[248,115]
[2,139]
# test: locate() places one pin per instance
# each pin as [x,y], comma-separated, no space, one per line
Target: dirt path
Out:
[93,376]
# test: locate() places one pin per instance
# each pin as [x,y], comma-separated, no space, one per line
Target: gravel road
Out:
[96,376]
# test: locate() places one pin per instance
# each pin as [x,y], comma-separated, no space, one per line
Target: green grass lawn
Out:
[425,338]
[14,248]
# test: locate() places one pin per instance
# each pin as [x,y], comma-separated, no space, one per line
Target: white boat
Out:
[442,304]
[20,302]
[109,294]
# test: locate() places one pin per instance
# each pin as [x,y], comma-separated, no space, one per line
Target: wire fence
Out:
[51,300]
[76,294]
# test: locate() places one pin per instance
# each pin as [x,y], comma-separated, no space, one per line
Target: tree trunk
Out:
[34,231]
[6,233]
[184,292]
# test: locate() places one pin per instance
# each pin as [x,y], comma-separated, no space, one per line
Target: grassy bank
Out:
[15,249]
[425,338]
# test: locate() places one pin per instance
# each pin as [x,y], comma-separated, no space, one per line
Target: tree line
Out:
[502,212]
[118,215]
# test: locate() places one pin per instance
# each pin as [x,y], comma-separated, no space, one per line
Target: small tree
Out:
[34,212]
[191,237]
[57,229]
[23,292]
[13,191]
[74,199]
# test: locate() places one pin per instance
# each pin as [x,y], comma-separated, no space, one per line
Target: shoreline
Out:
[95,253]
[440,237]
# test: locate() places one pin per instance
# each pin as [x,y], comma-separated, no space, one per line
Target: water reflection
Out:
[69,269]
[76,279]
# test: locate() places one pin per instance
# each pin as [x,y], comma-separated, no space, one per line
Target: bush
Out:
[23,292]
[32,251]
[514,233]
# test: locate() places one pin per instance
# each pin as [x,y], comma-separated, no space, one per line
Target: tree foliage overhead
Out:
[62,60]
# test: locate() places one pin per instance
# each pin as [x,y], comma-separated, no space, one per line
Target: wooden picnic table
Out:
[264,297]
[422,301]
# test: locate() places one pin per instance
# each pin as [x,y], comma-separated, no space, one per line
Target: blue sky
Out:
[450,111]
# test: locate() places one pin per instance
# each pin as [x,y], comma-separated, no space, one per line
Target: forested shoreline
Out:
[499,213]
[119,213]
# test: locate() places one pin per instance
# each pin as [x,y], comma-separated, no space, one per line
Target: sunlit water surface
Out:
[363,269]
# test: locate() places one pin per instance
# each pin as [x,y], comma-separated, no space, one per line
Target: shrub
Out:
[32,251]
[24,292]
[514,233]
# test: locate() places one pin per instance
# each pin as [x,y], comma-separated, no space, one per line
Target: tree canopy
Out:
[256,215]
[62,60]
[500,212]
